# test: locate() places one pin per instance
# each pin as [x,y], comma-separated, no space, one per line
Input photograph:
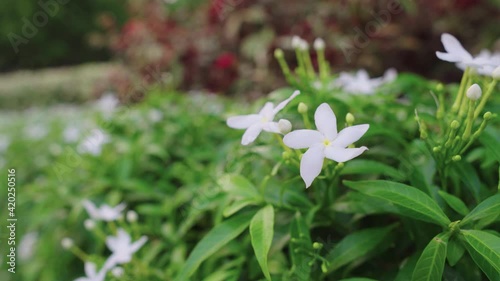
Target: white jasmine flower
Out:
[105,212]
[456,53]
[93,143]
[296,42]
[27,246]
[89,224]
[107,103]
[71,134]
[360,83]
[324,142]
[132,216]
[67,243]
[474,92]
[255,123]
[319,44]
[92,274]
[155,115]
[122,248]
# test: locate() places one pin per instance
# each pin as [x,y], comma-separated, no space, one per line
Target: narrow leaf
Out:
[489,207]
[238,186]
[358,279]
[355,167]
[455,203]
[430,265]
[355,246]
[215,239]
[410,201]
[484,249]
[261,234]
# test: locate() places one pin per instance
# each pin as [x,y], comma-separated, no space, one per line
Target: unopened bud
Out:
[324,268]
[439,87]
[89,224]
[302,108]
[319,44]
[67,243]
[340,165]
[132,216]
[474,92]
[436,149]
[487,116]
[296,42]
[304,46]
[349,119]
[317,245]
[278,53]
[455,124]
[286,155]
[456,158]
[496,73]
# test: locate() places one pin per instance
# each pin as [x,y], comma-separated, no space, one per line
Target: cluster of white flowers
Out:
[485,63]
[360,82]
[93,143]
[121,246]
[322,143]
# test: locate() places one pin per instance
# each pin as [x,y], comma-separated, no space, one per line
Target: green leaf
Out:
[358,279]
[239,186]
[356,245]
[410,201]
[490,143]
[430,265]
[236,206]
[300,243]
[355,167]
[469,177]
[489,207]
[261,234]
[484,249]
[215,239]
[455,252]
[455,203]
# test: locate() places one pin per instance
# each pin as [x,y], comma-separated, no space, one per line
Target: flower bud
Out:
[436,149]
[284,126]
[89,224]
[324,268]
[296,42]
[455,124]
[317,245]
[487,116]
[474,92]
[67,243]
[302,108]
[319,44]
[349,119]
[303,46]
[439,87]
[278,53]
[132,216]
[117,272]
[496,73]
[456,158]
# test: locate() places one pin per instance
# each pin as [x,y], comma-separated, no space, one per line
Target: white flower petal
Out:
[325,121]
[271,127]
[91,209]
[243,121]
[311,164]
[282,104]
[302,138]
[340,154]
[90,269]
[448,57]
[138,244]
[453,46]
[251,134]
[350,135]
[267,111]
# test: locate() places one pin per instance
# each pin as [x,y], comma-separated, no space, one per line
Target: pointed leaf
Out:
[261,234]
[355,246]
[455,203]
[410,201]
[489,207]
[484,249]
[239,186]
[215,239]
[358,279]
[301,239]
[430,265]
[455,252]
[356,167]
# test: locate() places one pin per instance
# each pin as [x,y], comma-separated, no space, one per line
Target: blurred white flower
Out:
[89,224]
[71,134]
[122,248]
[155,115]
[105,212]
[132,216]
[491,61]
[324,142]
[107,104]
[117,271]
[67,243]
[360,83]
[456,53]
[27,246]
[36,132]
[93,143]
[255,123]
[92,274]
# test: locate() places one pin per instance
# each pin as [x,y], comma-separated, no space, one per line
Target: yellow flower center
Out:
[326,142]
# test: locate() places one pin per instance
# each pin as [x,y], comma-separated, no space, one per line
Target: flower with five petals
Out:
[324,142]
[263,121]
[456,53]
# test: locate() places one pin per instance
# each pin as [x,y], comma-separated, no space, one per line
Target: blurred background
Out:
[54,51]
